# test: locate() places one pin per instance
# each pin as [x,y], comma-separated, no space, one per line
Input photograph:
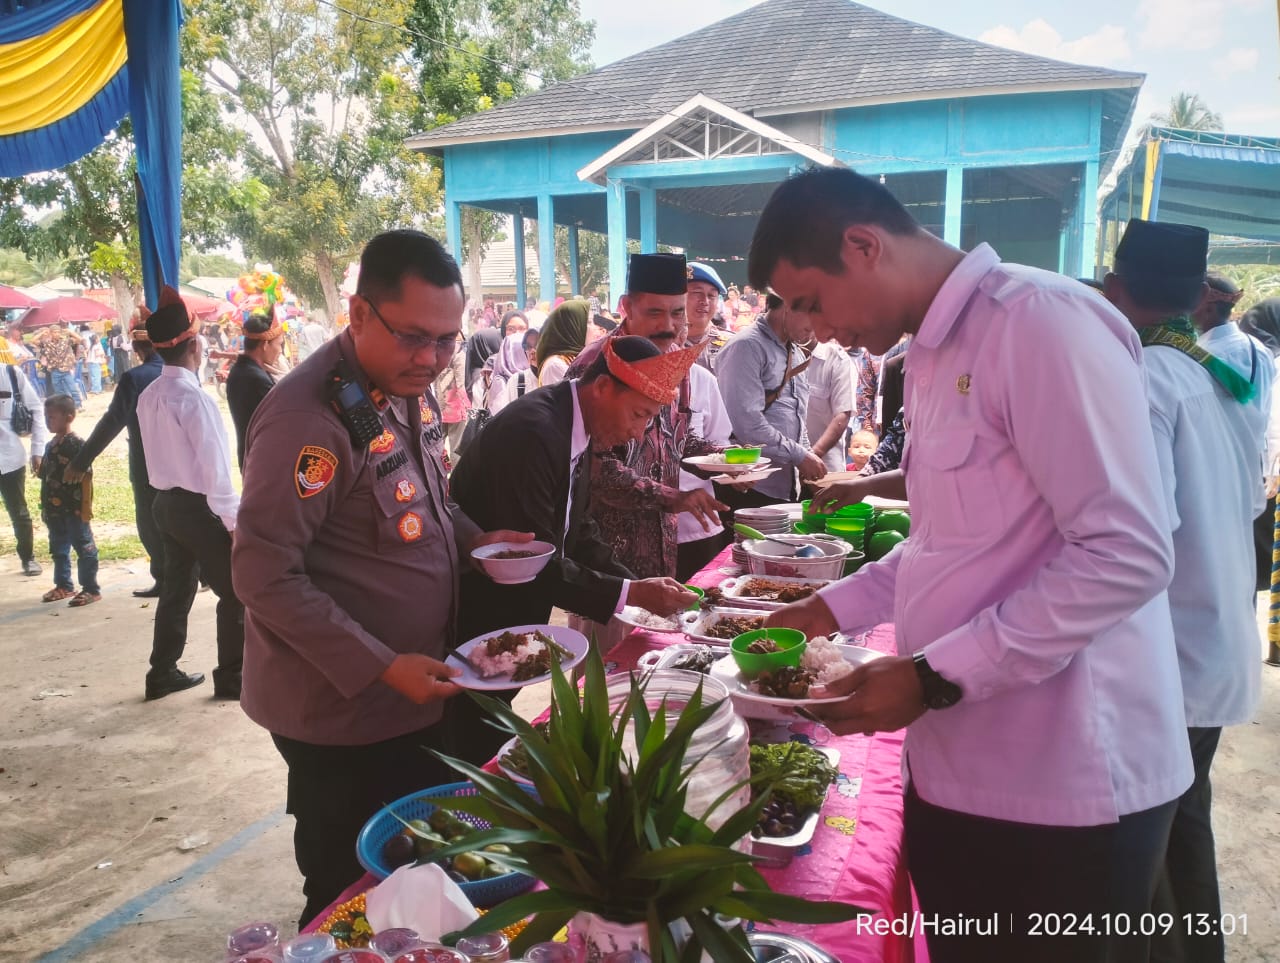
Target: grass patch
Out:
[113,523]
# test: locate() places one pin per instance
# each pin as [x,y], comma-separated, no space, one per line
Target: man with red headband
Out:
[636,494]
[189,463]
[250,378]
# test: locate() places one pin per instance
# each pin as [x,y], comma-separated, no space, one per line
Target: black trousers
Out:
[13,489]
[1264,539]
[692,557]
[334,790]
[1189,883]
[144,498]
[1027,879]
[193,536]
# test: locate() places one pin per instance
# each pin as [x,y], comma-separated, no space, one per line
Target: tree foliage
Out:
[329,98]
[1187,111]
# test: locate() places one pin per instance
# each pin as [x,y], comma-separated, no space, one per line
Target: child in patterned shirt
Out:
[66,508]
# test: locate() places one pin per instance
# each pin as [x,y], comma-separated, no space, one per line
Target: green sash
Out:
[1178,333]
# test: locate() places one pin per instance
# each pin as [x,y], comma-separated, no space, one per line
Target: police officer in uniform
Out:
[347,556]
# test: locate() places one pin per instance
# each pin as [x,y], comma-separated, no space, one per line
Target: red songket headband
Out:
[185,336]
[1216,295]
[275,331]
[657,378]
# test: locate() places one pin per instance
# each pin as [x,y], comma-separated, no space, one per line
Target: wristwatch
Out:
[937,692]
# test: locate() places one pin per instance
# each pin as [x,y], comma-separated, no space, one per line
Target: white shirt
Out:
[1210,449]
[553,370]
[1250,357]
[1035,574]
[185,443]
[310,337]
[831,391]
[708,419]
[12,453]
[579,443]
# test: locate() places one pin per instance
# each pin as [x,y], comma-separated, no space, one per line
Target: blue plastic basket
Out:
[369,844]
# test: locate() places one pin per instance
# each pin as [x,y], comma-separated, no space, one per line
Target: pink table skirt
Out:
[856,855]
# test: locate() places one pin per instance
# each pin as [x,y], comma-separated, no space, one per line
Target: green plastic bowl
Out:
[846,526]
[698,592]
[809,526]
[742,456]
[791,643]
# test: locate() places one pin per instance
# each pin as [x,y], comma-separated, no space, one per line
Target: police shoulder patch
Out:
[410,526]
[314,470]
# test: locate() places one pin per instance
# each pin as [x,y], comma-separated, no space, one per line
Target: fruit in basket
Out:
[399,851]
[470,865]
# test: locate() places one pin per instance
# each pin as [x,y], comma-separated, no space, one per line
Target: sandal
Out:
[84,598]
[56,594]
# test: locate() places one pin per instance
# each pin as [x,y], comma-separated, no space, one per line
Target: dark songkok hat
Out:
[1157,250]
[657,274]
[603,323]
[169,324]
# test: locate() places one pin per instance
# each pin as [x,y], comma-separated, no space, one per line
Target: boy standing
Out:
[66,508]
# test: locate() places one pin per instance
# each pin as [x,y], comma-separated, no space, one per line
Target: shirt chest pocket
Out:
[952,485]
[401,513]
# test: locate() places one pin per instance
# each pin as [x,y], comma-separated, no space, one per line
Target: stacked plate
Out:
[766,520]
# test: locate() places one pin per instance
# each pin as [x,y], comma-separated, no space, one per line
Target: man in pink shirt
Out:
[1037,677]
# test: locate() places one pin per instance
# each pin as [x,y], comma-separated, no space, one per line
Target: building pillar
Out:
[546,249]
[616,199]
[453,229]
[517,235]
[953,206]
[1087,219]
[575,272]
[648,220]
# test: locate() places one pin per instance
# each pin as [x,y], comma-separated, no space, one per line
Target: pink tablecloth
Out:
[856,855]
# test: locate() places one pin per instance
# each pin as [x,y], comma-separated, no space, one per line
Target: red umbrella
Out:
[12,298]
[75,310]
[205,308]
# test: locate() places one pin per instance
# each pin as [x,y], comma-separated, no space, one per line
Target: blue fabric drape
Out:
[58,144]
[155,103]
[30,18]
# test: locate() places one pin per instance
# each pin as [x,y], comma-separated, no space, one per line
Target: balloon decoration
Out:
[264,290]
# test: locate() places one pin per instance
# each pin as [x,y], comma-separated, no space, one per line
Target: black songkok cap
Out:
[1157,250]
[657,274]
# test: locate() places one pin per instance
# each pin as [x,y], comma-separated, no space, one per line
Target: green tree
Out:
[475,54]
[1187,111]
[19,270]
[329,98]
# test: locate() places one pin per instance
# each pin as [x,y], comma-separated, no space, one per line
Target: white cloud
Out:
[1261,120]
[1237,60]
[1187,24]
[1106,46]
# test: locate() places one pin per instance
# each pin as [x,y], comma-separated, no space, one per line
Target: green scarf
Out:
[1178,333]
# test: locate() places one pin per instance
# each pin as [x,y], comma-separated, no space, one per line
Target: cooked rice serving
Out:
[504,663]
[823,659]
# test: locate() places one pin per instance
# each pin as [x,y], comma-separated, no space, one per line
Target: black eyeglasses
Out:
[414,343]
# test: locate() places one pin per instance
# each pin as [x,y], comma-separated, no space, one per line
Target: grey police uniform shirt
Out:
[344,557]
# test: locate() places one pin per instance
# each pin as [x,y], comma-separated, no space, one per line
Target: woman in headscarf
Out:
[562,338]
[513,322]
[481,346]
[511,374]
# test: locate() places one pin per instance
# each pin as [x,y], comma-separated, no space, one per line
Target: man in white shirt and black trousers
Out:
[189,461]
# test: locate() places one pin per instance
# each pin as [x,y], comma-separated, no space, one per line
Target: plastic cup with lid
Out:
[261,938]
[308,948]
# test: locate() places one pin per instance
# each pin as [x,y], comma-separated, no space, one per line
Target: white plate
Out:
[744,478]
[727,671]
[695,623]
[631,614]
[511,773]
[731,589]
[570,639]
[717,463]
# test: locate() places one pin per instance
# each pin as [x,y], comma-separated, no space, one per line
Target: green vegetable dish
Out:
[799,775]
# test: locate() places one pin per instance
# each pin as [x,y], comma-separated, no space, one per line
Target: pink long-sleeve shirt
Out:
[1039,555]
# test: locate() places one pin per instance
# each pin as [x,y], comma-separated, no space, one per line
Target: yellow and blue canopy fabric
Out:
[69,71]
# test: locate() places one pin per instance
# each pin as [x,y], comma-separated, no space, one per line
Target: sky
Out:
[1228,51]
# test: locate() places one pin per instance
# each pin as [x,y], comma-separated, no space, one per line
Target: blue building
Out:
[683,144]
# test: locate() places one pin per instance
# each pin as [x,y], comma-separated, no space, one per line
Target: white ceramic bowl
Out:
[513,571]
[766,557]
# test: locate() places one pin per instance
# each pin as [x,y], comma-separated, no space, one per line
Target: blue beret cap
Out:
[703,272]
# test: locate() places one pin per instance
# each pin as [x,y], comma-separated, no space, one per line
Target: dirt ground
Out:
[146,831]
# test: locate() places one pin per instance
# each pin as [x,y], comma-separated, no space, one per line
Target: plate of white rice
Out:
[495,670]
[644,619]
[827,660]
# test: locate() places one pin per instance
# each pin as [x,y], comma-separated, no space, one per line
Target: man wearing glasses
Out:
[347,556]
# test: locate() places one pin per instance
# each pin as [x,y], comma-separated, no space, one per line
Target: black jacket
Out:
[516,475]
[247,384]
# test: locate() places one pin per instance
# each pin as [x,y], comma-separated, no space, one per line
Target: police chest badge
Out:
[424,409]
[314,471]
[383,443]
[410,526]
[405,490]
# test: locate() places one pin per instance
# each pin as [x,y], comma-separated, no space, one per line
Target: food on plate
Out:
[763,646]
[516,759]
[420,839]
[771,590]
[787,682]
[822,657]
[700,659]
[712,597]
[799,775]
[732,626]
[650,620]
[521,655]
[514,553]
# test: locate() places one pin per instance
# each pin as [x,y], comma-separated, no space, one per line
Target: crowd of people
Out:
[1074,607]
